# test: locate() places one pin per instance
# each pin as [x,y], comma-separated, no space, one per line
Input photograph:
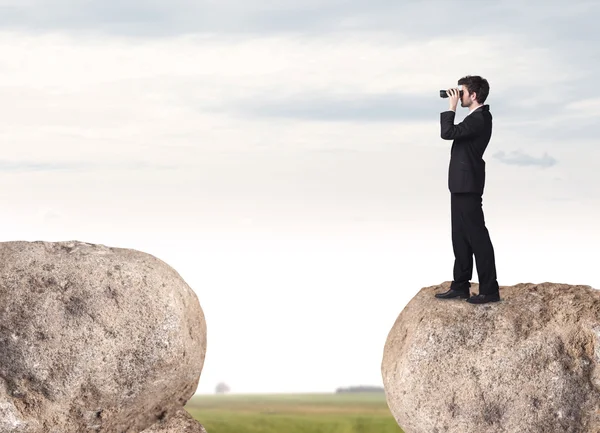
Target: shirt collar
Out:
[474,109]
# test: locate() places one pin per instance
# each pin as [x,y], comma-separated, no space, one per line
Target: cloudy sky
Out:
[285,157]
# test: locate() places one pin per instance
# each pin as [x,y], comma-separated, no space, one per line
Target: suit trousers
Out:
[471,237]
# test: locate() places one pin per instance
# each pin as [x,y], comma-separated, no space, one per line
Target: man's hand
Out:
[453,98]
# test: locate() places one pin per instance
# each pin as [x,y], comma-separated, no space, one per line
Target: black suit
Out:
[466,181]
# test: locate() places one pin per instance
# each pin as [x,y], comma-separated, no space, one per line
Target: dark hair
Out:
[476,84]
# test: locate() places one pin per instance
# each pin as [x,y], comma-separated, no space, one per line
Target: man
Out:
[466,180]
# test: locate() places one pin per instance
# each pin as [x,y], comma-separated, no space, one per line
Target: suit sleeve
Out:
[471,126]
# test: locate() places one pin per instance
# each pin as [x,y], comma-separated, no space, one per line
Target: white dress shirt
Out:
[470,111]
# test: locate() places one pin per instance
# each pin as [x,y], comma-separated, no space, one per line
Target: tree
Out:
[361,388]
[222,388]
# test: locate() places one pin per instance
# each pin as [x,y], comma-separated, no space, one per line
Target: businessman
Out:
[466,180]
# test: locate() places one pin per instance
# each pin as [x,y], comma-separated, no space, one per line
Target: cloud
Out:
[233,106]
[517,157]
[178,100]
[422,19]
[177,17]
[389,107]
[29,166]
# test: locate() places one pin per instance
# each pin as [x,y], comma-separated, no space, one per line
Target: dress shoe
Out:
[452,294]
[482,299]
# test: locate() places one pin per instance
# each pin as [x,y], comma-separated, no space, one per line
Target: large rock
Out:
[94,339]
[529,363]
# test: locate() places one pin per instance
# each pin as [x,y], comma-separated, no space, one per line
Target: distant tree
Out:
[222,388]
[360,389]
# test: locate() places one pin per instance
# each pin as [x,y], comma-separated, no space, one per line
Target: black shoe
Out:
[483,299]
[452,294]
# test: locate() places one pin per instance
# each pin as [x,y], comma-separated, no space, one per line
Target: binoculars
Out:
[444,94]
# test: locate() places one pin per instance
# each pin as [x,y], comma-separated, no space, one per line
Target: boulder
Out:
[94,339]
[529,363]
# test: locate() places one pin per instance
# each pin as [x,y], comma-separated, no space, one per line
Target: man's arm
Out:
[469,127]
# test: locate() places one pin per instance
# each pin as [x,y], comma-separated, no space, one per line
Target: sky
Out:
[284,157]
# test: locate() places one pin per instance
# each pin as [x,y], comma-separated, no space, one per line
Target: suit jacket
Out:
[466,172]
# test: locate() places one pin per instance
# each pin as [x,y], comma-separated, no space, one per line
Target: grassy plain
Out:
[294,413]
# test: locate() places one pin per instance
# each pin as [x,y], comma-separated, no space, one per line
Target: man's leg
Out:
[481,244]
[463,253]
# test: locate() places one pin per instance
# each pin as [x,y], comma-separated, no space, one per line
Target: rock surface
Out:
[180,422]
[529,363]
[94,339]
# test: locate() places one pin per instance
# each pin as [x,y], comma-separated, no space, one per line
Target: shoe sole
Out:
[454,297]
[486,302]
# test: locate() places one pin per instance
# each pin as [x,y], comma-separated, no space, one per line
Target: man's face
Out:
[466,99]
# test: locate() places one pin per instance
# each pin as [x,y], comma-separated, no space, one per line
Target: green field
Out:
[294,413]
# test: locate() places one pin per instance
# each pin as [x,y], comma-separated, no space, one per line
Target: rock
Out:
[180,422]
[529,363]
[94,339]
